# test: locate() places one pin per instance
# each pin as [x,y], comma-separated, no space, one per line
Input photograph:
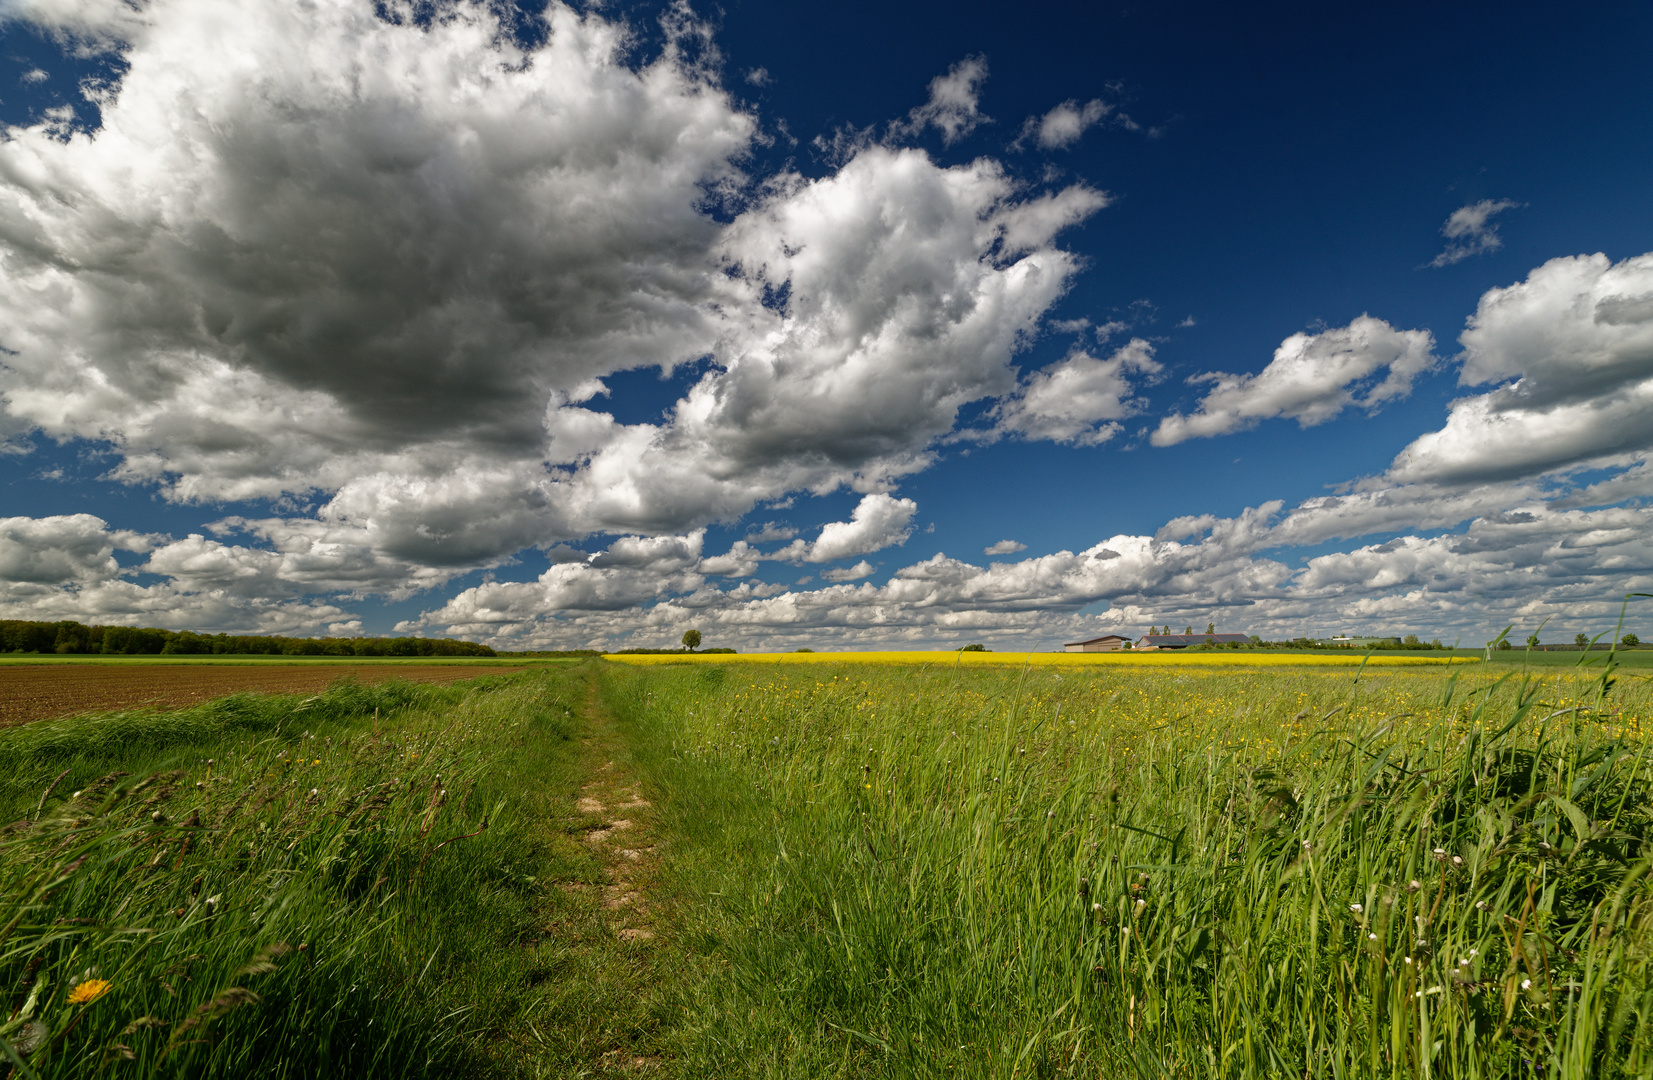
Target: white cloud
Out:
[1311,379]
[34,75]
[385,267]
[770,531]
[953,107]
[1513,565]
[1079,399]
[65,568]
[759,76]
[1063,126]
[877,522]
[1569,353]
[1470,230]
[1004,547]
[850,573]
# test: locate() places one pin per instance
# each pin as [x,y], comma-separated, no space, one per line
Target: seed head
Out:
[1414,885]
[1356,908]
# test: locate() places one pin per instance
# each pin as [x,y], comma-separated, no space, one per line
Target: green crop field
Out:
[841,869]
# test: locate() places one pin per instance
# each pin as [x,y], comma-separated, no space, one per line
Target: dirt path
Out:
[617,950]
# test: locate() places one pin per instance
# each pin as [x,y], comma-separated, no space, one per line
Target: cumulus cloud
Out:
[1471,231]
[1079,399]
[895,317]
[953,107]
[849,573]
[322,250]
[1004,547]
[1312,378]
[1569,354]
[64,567]
[1063,126]
[877,522]
[1516,565]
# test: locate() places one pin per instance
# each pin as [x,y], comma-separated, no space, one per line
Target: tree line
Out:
[79,639]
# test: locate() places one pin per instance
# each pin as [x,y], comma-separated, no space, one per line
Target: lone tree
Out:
[1211,628]
[1532,641]
[1581,640]
[1631,640]
[691,640]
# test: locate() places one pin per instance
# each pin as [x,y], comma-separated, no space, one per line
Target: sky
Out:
[833,326]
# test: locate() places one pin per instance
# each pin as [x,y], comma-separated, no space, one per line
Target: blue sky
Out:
[580,326]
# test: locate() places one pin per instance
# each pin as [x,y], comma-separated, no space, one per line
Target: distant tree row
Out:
[79,639]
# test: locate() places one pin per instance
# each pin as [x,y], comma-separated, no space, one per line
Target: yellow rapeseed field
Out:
[1144,660]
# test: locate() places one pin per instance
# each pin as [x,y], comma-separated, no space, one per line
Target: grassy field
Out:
[848,869]
[1112,871]
[382,880]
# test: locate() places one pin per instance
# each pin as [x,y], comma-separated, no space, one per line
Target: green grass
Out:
[865,871]
[930,873]
[359,883]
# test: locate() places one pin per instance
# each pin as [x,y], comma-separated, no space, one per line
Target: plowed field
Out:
[35,692]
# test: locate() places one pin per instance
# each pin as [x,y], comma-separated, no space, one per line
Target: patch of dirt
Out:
[625,869]
[40,691]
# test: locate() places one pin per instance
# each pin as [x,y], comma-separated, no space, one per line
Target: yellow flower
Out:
[89,991]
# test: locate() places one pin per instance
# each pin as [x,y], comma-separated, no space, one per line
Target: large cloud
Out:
[1312,378]
[1079,399]
[1569,352]
[326,248]
[1507,566]
[65,567]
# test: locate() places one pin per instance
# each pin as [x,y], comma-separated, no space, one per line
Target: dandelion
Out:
[1408,961]
[89,991]
[1414,885]
[1458,862]
[1526,984]
[1096,907]
[1140,906]
[1371,937]
[1356,908]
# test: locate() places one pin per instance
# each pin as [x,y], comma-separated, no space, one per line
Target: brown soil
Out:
[37,691]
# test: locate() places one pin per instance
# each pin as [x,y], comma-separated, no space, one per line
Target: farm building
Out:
[1105,643]
[1361,642]
[1183,641]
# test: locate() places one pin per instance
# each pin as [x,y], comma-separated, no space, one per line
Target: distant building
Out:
[1361,642]
[1105,643]
[1183,641]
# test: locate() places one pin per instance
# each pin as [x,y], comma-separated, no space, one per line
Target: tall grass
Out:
[278,886]
[951,872]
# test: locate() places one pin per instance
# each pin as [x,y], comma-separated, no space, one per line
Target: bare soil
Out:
[36,692]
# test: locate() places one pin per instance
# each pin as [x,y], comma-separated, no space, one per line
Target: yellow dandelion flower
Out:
[89,991]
